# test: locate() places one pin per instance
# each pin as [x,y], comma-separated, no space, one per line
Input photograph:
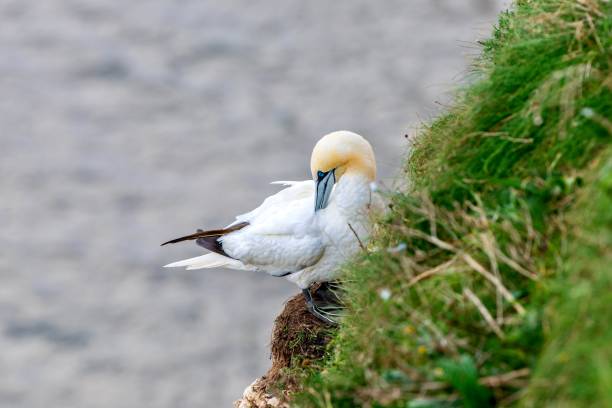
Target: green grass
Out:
[502,295]
[576,366]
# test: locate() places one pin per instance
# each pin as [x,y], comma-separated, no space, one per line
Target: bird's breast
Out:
[346,220]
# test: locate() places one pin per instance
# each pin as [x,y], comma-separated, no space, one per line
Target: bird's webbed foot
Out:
[325,312]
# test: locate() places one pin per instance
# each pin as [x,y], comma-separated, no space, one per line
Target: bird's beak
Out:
[325,184]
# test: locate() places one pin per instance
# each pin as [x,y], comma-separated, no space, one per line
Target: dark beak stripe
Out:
[325,185]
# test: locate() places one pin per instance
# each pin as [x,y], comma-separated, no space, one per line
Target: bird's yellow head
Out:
[338,154]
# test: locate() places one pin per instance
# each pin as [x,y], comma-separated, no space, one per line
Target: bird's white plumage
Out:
[285,236]
[281,236]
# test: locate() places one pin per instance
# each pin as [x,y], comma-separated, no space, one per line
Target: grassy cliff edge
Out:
[489,280]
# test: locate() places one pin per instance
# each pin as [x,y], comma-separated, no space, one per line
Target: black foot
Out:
[312,308]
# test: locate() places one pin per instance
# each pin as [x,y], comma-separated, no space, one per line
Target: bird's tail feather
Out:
[212,260]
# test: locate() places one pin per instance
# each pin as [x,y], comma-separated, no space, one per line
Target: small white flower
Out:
[398,248]
[537,120]
[385,294]
[373,187]
[587,112]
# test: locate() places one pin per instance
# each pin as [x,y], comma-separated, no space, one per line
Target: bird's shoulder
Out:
[290,204]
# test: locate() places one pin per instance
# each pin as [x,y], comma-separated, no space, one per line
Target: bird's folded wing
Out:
[297,190]
[281,235]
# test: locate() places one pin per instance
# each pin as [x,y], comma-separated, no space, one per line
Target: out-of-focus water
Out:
[126,123]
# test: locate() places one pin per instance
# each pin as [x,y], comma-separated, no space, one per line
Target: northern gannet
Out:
[305,231]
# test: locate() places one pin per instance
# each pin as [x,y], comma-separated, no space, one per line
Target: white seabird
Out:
[305,231]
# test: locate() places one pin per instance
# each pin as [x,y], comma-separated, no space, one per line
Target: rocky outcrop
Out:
[255,396]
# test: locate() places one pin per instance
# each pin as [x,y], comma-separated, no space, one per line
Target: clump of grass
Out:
[575,369]
[463,316]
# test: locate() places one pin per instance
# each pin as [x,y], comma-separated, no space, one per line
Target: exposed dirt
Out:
[298,339]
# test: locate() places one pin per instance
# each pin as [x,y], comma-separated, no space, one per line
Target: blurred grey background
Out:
[126,123]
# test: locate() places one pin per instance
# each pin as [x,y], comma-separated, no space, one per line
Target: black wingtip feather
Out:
[208,238]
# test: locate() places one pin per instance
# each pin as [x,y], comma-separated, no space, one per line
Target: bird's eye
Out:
[320,174]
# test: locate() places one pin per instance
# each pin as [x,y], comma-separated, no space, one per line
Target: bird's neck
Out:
[352,192]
